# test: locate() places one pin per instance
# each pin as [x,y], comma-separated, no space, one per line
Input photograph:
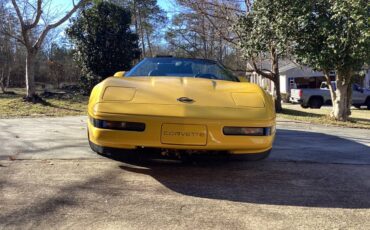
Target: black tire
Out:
[251,157]
[304,106]
[357,106]
[367,103]
[315,102]
[329,102]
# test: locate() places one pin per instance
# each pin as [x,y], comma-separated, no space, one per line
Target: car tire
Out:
[368,103]
[304,106]
[251,157]
[357,106]
[315,103]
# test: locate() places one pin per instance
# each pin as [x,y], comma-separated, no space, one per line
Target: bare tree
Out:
[6,61]
[33,29]
[6,47]
[203,28]
[221,15]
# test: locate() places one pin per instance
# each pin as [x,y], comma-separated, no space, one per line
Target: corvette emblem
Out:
[185,100]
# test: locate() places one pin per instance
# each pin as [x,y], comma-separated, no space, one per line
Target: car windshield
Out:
[181,67]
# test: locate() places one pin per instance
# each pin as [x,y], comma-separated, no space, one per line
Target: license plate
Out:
[178,134]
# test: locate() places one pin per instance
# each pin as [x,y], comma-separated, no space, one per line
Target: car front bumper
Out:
[295,100]
[152,136]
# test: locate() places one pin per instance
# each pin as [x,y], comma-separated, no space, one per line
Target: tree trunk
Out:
[349,100]
[7,82]
[149,45]
[5,76]
[343,100]
[2,81]
[278,106]
[340,105]
[276,80]
[220,55]
[205,46]
[30,76]
[330,86]
[142,33]
[136,18]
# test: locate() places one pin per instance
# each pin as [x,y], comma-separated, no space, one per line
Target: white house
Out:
[294,76]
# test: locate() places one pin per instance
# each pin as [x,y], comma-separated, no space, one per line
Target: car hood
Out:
[181,91]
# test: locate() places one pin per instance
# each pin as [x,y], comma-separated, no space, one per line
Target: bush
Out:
[104,42]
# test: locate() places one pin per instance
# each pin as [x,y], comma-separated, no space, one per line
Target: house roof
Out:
[291,69]
[284,65]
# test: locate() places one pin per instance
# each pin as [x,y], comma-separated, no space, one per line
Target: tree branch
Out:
[328,82]
[217,5]
[26,40]
[267,70]
[182,48]
[38,15]
[208,16]
[7,33]
[261,71]
[56,24]
[19,15]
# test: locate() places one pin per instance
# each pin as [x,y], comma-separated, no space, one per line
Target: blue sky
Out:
[63,6]
[164,4]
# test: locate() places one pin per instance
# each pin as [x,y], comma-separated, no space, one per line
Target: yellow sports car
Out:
[184,105]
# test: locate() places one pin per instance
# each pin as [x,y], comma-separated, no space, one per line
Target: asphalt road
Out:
[317,177]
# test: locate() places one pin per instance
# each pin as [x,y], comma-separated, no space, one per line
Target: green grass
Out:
[360,118]
[12,106]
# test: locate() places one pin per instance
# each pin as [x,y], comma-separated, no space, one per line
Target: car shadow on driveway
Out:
[297,174]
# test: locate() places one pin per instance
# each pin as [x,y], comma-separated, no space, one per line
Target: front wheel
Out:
[316,103]
[368,103]
[304,106]
[357,106]
[251,157]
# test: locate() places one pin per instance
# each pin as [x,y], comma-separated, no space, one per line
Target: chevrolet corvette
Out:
[181,104]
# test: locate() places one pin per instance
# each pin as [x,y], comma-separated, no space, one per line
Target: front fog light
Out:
[246,131]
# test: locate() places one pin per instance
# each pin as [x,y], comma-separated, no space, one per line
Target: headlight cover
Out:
[113,93]
[253,100]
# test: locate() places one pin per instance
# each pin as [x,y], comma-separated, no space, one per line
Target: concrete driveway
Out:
[316,177]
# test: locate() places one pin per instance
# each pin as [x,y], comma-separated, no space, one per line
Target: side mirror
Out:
[119,74]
